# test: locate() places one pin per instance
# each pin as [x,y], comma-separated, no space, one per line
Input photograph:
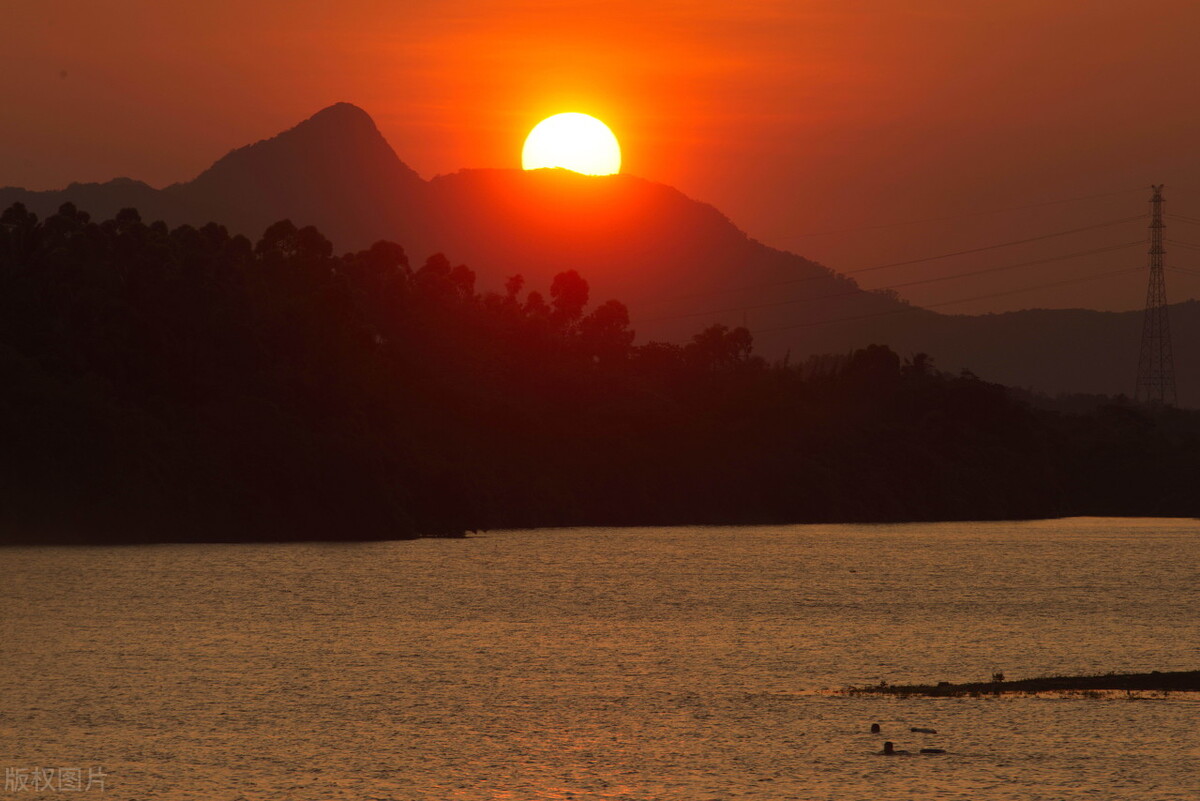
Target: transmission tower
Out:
[1156,366]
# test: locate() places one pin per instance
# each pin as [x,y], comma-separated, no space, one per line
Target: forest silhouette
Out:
[190,385]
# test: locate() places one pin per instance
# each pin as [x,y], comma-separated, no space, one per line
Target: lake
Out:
[656,663]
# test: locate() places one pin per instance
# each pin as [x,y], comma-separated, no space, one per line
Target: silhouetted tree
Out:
[605,333]
[569,294]
[718,347]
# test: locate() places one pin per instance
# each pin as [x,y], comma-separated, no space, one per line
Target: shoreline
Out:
[1154,681]
[9,539]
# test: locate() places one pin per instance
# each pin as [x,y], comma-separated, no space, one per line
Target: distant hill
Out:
[1057,351]
[334,170]
[677,263]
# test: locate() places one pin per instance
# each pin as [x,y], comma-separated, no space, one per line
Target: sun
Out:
[575,141]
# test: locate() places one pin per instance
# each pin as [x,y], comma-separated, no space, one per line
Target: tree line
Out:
[184,384]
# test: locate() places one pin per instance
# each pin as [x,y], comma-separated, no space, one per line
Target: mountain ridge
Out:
[679,264]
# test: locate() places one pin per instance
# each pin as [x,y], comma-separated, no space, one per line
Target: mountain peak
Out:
[334,168]
[340,115]
[332,134]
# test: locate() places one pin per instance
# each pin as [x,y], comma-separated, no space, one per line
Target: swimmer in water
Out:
[890,750]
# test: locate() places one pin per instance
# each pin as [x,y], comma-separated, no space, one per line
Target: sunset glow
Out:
[573,141]
[810,412]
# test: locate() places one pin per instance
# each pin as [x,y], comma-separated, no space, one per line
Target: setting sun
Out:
[577,142]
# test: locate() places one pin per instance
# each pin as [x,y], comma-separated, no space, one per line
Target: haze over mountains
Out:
[678,264]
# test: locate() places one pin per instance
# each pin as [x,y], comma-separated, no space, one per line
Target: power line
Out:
[994,247]
[966,215]
[902,285]
[950,302]
[1184,218]
[905,263]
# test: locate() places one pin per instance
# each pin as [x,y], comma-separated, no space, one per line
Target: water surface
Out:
[666,663]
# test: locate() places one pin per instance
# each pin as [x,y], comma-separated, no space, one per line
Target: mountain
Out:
[666,256]
[334,170]
[677,263]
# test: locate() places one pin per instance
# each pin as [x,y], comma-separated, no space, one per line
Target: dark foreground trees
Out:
[187,384]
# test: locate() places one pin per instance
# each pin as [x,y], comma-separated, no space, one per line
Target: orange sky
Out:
[794,117]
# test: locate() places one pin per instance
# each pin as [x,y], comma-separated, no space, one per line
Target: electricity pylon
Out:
[1156,365]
